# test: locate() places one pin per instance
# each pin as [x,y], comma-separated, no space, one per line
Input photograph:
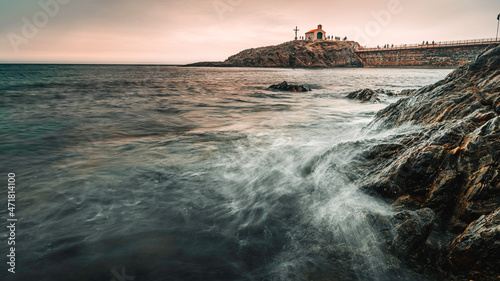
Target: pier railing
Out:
[428,45]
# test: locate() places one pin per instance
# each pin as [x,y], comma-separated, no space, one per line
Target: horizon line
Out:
[96,63]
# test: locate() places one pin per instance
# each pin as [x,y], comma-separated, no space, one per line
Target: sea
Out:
[147,172]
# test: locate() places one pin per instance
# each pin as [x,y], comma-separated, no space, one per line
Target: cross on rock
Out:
[296,30]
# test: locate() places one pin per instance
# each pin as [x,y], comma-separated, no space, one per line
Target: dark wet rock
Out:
[284,86]
[412,229]
[478,247]
[406,92]
[364,95]
[456,154]
[371,96]
[404,232]
[448,163]
[385,92]
[406,202]
[298,53]
[383,228]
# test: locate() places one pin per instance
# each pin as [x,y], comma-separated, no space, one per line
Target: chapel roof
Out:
[314,30]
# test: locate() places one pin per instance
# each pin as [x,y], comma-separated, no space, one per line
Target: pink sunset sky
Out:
[185,31]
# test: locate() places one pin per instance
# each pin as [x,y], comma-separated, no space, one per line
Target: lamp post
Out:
[498,24]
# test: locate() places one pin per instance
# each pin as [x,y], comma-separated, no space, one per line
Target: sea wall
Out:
[448,56]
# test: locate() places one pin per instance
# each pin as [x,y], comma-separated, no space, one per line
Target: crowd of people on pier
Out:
[389,46]
[336,38]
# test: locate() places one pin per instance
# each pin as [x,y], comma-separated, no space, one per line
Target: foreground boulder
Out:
[284,86]
[447,162]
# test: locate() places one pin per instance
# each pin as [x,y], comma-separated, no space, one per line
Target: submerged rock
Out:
[406,92]
[371,96]
[284,86]
[365,95]
[448,164]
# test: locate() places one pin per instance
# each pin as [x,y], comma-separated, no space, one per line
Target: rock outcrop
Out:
[364,95]
[406,92]
[412,229]
[375,96]
[284,86]
[478,247]
[297,53]
[405,231]
[448,163]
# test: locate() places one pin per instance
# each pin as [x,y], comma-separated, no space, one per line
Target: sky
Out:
[186,31]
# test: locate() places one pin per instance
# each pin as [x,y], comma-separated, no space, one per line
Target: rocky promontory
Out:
[297,53]
[443,159]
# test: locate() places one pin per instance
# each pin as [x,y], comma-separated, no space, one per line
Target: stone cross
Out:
[296,29]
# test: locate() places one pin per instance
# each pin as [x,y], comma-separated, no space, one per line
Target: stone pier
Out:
[443,54]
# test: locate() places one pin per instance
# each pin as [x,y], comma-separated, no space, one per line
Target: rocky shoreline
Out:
[444,178]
